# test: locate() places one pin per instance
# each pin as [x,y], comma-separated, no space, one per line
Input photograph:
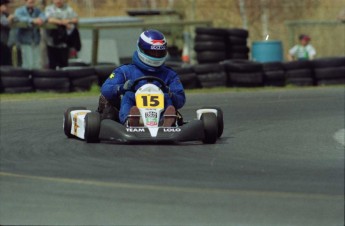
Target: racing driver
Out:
[148,60]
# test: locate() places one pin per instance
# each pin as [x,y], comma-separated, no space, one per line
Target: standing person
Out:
[5,20]
[148,60]
[303,50]
[29,38]
[62,15]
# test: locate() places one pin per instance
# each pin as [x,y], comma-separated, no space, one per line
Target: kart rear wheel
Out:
[210,128]
[220,119]
[67,120]
[92,127]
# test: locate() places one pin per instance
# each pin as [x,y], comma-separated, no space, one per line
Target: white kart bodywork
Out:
[78,123]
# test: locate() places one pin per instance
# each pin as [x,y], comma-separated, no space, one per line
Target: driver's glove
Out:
[126,87]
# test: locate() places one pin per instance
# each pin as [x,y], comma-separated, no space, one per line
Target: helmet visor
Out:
[155,53]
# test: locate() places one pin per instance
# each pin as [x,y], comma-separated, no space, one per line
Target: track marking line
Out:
[339,136]
[162,188]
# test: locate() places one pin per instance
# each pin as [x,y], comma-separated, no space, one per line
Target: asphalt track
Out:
[280,162]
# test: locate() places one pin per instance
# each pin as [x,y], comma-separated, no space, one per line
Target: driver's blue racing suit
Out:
[113,86]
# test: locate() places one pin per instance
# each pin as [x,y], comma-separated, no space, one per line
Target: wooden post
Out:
[95,42]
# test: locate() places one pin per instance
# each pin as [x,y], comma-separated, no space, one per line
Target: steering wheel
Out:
[150,79]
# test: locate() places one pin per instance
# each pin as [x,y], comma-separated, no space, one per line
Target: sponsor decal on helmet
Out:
[112,75]
[158,47]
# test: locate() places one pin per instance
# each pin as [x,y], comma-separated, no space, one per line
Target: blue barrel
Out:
[267,51]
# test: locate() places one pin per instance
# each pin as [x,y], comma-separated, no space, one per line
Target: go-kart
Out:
[87,125]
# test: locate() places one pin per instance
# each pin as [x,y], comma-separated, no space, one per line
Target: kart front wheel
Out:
[67,120]
[92,127]
[219,119]
[210,123]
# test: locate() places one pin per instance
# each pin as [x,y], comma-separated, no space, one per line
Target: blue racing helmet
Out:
[152,48]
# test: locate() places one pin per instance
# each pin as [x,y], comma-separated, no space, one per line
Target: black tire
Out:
[27,89]
[246,79]
[273,66]
[220,119]
[207,38]
[237,32]
[300,81]
[51,80]
[207,68]
[234,40]
[274,76]
[103,72]
[328,62]
[210,56]
[329,73]
[12,77]
[184,70]
[211,31]
[210,128]
[240,49]
[190,81]
[242,66]
[275,83]
[81,78]
[212,79]
[294,65]
[325,82]
[92,127]
[237,56]
[299,73]
[67,120]
[209,46]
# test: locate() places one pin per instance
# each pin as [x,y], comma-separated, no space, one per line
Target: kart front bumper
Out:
[114,131]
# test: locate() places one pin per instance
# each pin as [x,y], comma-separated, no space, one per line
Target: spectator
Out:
[302,51]
[5,20]
[29,37]
[341,15]
[62,15]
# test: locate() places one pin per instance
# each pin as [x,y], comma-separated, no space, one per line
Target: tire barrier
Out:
[274,74]
[103,72]
[15,80]
[211,75]
[188,77]
[213,45]
[328,71]
[48,80]
[231,73]
[299,73]
[81,78]
[243,73]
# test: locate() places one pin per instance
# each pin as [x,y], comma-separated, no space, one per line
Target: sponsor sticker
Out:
[112,75]
[151,118]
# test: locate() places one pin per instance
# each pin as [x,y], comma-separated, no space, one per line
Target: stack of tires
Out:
[81,78]
[329,71]
[15,80]
[209,45]
[274,74]
[243,73]
[188,77]
[103,72]
[299,73]
[51,80]
[236,44]
[211,75]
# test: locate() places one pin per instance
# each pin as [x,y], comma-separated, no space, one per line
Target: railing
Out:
[96,27]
